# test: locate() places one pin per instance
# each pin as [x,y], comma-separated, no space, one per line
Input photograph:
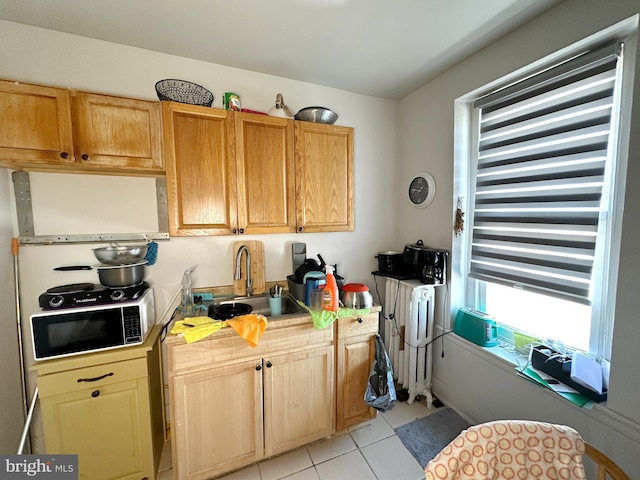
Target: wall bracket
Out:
[24,209]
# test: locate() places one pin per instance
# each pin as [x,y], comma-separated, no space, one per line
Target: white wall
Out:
[481,388]
[40,56]
[11,413]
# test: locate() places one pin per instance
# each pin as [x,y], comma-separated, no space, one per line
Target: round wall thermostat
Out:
[422,189]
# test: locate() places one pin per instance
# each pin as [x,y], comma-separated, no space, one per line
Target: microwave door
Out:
[76,332]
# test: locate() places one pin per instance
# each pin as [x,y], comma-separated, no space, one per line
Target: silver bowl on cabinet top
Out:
[317,115]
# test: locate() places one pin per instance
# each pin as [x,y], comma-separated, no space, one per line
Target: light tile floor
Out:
[370,451]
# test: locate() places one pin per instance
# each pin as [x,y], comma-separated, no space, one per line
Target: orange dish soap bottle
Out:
[330,300]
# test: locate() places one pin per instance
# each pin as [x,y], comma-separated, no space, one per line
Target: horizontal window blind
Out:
[542,154]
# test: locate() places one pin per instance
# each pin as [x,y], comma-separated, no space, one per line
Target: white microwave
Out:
[78,330]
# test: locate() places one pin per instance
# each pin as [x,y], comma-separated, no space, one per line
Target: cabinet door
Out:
[355,357]
[104,426]
[117,133]
[217,420]
[35,124]
[265,174]
[200,168]
[356,352]
[299,398]
[324,176]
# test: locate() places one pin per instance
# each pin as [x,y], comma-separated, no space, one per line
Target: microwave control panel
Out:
[132,325]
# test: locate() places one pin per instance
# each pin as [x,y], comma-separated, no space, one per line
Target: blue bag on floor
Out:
[381,391]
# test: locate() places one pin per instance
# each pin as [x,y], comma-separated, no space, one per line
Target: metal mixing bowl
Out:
[121,275]
[120,255]
[317,115]
[356,295]
[357,300]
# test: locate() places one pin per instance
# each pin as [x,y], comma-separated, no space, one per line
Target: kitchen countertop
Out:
[290,320]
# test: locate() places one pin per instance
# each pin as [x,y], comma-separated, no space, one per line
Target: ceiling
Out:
[380,48]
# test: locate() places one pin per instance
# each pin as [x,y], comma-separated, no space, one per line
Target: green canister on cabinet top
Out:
[231,101]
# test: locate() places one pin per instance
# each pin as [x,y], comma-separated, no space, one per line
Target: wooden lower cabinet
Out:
[355,354]
[298,398]
[232,405]
[217,420]
[109,413]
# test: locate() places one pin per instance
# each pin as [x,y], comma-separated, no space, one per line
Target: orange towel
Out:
[250,327]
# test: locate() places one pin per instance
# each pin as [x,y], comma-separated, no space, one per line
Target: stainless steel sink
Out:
[260,304]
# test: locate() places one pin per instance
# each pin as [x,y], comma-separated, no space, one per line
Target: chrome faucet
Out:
[238,276]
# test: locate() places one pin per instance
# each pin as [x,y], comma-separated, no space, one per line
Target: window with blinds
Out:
[543,150]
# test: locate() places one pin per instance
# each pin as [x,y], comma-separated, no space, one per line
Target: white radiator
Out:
[408,333]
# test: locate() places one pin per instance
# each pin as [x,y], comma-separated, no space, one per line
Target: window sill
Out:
[505,358]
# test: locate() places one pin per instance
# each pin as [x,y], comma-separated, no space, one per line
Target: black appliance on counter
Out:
[425,263]
[390,262]
[89,326]
[416,262]
[86,294]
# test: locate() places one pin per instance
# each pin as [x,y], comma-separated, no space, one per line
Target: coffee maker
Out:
[434,266]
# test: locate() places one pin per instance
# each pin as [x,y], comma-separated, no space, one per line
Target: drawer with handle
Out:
[357,325]
[95,376]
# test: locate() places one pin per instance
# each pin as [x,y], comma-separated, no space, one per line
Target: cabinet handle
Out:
[95,393]
[299,229]
[241,231]
[95,379]
[234,231]
[64,154]
[269,364]
[85,156]
[258,367]
[360,320]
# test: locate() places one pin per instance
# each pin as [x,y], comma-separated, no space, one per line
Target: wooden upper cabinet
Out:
[324,176]
[117,132]
[200,169]
[241,173]
[265,174]
[35,124]
[55,129]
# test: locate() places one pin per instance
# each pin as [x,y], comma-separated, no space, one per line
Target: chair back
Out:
[508,449]
[505,448]
[606,468]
